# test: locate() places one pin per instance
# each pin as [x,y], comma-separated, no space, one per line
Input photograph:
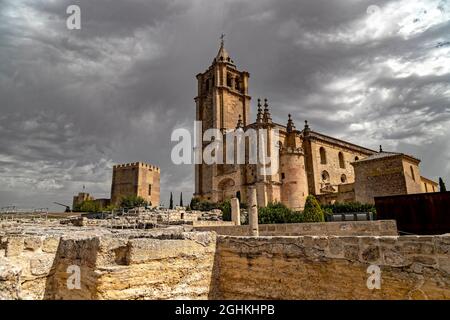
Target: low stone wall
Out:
[204,223]
[174,264]
[164,264]
[349,228]
[412,267]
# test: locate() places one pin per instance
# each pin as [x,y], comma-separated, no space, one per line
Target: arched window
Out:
[356,158]
[341,160]
[343,178]
[323,155]
[229,80]
[325,176]
[426,187]
[412,173]
[237,84]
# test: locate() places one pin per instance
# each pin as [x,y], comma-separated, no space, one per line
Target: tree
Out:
[88,206]
[133,201]
[226,210]
[181,199]
[313,212]
[442,185]
[171,201]
[276,212]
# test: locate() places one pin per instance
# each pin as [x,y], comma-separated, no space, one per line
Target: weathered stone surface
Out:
[41,264]
[14,246]
[50,244]
[356,228]
[174,264]
[325,274]
[9,280]
[33,243]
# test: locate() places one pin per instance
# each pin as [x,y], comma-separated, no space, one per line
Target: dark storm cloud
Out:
[73,103]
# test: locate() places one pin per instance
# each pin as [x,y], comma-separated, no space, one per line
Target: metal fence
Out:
[13,212]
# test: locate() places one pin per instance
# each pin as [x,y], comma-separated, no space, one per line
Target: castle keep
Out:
[309,162]
[135,179]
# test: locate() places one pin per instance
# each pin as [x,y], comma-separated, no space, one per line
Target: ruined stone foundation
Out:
[178,264]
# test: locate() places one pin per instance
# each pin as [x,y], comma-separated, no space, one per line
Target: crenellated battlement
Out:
[136,165]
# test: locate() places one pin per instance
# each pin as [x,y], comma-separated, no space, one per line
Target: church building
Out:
[309,162]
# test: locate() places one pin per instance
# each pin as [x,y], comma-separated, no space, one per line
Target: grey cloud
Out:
[73,103]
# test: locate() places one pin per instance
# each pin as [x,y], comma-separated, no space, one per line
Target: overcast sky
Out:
[75,102]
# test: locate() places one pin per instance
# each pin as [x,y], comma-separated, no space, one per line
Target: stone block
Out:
[351,252]
[50,244]
[41,265]
[32,243]
[14,246]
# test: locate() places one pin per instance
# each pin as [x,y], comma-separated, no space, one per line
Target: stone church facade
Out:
[309,162]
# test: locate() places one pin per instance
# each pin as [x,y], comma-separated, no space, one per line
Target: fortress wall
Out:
[412,267]
[345,228]
[25,264]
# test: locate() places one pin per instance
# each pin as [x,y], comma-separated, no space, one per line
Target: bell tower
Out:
[222,100]
[222,93]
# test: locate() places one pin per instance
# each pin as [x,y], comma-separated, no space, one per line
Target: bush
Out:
[348,207]
[278,213]
[133,201]
[87,206]
[226,210]
[313,212]
[201,205]
[111,207]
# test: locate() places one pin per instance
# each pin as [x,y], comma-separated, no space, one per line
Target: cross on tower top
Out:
[222,39]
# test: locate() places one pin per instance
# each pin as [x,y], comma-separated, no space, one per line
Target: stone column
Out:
[253,212]
[235,212]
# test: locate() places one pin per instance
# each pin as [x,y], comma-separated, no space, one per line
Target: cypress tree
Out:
[441,185]
[171,201]
[181,199]
[313,212]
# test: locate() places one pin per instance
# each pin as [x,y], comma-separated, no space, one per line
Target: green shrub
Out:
[111,207]
[87,206]
[278,213]
[133,201]
[226,210]
[348,207]
[313,212]
[201,205]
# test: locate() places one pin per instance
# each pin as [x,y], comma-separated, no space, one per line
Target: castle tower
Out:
[136,179]
[222,96]
[294,188]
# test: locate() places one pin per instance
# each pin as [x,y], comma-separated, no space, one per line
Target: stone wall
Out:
[412,267]
[347,228]
[336,174]
[25,264]
[173,264]
[136,179]
[168,264]
[136,268]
